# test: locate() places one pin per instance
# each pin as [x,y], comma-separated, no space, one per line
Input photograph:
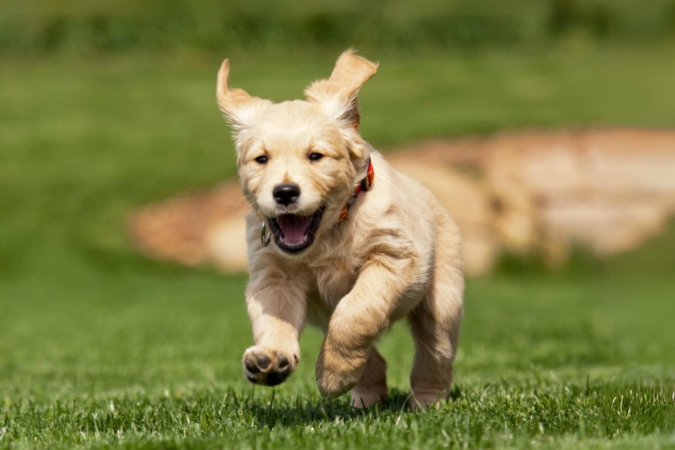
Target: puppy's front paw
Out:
[336,375]
[266,366]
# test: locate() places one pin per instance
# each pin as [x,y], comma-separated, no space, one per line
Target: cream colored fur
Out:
[396,255]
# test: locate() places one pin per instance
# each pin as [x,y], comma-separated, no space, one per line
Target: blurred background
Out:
[546,127]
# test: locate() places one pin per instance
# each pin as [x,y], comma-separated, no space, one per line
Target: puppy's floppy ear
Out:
[240,108]
[338,94]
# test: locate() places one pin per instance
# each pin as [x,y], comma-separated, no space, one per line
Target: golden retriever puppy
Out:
[339,239]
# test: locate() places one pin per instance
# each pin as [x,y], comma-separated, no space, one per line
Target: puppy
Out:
[340,240]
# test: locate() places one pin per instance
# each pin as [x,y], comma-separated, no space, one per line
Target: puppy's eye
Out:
[261,159]
[315,156]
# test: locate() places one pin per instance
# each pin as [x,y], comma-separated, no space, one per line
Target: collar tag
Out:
[265,235]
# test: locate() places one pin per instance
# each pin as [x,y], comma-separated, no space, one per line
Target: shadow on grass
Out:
[304,412]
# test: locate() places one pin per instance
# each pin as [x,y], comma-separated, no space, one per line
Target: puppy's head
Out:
[300,161]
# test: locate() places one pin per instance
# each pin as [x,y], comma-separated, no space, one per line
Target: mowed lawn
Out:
[100,347]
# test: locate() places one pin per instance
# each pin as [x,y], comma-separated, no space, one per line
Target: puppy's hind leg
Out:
[372,388]
[435,324]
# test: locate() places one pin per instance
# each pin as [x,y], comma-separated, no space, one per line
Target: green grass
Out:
[102,348]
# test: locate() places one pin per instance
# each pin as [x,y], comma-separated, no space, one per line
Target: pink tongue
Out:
[293,227]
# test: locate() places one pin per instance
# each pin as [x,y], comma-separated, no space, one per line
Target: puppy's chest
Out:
[334,280]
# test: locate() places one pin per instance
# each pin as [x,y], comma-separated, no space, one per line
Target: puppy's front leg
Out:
[355,324]
[276,301]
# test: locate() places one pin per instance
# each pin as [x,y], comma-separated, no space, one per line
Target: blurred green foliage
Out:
[207,25]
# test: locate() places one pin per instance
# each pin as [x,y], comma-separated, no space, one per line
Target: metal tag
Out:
[264,235]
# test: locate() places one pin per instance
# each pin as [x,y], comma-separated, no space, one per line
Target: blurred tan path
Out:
[526,192]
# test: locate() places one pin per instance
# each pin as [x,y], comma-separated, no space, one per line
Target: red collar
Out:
[363,186]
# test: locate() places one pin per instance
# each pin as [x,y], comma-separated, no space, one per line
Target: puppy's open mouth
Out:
[294,233]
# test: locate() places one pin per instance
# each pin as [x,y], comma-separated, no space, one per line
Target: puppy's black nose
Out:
[285,194]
